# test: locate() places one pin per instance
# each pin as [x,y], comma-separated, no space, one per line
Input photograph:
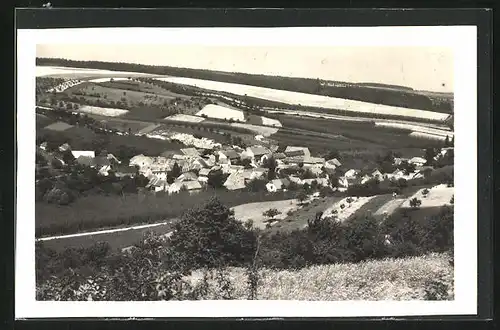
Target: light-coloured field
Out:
[302,113]
[417,128]
[186,118]
[270,122]
[110,112]
[47,71]
[220,112]
[349,209]
[58,126]
[389,207]
[100,80]
[254,211]
[438,196]
[312,100]
[390,279]
[262,130]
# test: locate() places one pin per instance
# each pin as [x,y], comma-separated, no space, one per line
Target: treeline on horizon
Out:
[395,96]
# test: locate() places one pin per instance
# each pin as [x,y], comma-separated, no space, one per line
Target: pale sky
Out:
[422,68]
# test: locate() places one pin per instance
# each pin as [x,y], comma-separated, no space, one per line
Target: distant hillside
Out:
[374,93]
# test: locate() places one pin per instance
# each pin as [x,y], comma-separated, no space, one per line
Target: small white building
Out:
[84,153]
[417,161]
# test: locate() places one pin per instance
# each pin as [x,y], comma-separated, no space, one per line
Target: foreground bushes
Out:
[211,238]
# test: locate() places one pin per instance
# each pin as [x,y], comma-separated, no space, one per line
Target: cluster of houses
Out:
[196,164]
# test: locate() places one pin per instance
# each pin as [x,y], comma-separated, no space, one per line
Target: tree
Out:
[68,157]
[40,159]
[174,173]
[447,141]
[408,167]
[210,236]
[415,203]
[332,154]
[256,185]
[271,213]
[307,174]
[247,163]
[216,179]
[402,183]
[430,154]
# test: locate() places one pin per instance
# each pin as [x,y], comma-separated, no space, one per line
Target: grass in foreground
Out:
[428,277]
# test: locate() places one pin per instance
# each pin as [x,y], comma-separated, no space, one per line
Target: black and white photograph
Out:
[248,165]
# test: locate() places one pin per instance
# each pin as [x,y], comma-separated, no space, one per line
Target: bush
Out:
[415,203]
[210,236]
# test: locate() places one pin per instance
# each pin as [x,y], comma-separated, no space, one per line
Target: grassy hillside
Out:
[390,96]
[412,278]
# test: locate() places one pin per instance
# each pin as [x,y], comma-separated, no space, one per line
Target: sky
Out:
[421,68]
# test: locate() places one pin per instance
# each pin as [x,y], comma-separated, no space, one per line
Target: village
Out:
[190,168]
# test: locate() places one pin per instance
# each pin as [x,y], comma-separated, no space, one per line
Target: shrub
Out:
[436,289]
[271,213]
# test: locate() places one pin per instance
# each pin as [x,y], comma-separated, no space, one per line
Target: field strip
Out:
[303,113]
[417,128]
[254,211]
[349,208]
[107,231]
[313,100]
[438,196]
[148,129]
[263,130]
[389,207]
[220,112]
[430,136]
[186,118]
[110,112]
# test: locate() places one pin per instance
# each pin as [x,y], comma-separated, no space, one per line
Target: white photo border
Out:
[463,40]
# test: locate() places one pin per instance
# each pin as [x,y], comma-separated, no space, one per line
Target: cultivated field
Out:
[389,207]
[220,112]
[342,209]
[438,196]
[254,211]
[428,136]
[262,130]
[298,218]
[148,129]
[58,126]
[95,92]
[296,98]
[186,118]
[390,279]
[270,122]
[67,72]
[110,112]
